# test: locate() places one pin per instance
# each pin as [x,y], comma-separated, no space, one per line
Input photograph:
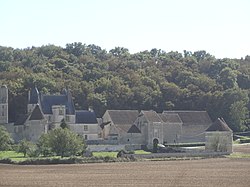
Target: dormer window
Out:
[60,112]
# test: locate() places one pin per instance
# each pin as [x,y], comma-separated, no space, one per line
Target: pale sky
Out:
[221,27]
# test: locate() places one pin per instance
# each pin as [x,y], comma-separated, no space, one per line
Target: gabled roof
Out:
[192,117]
[134,129]
[219,125]
[85,117]
[33,96]
[170,118]
[21,119]
[36,114]
[151,116]
[47,101]
[123,117]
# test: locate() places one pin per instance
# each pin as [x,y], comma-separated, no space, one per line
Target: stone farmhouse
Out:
[149,127]
[122,127]
[46,112]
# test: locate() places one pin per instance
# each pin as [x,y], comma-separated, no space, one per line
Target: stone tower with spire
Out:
[3,105]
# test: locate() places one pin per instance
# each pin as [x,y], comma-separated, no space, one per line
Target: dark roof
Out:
[134,129]
[192,117]
[47,101]
[170,118]
[219,125]
[123,117]
[33,96]
[85,117]
[36,114]
[22,119]
[152,116]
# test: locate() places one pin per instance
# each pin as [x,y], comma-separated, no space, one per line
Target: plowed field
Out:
[207,172]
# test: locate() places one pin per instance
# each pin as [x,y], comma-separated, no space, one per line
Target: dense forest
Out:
[148,80]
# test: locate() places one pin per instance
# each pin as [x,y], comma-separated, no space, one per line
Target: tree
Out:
[5,140]
[64,125]
[65,142]
[43,145]
[238,116]
[26,147]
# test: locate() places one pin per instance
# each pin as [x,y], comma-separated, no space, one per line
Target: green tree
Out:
[65,142]
[25,147]
[5,140]
[238,116]
[64,125]
[43,145]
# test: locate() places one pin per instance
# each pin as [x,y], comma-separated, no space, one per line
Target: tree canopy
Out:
[116,79]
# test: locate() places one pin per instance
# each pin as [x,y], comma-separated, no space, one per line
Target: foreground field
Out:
[206,172]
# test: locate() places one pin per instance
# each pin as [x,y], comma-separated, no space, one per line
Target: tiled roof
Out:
[170,118]
[134,129]
[152,116]
[192,117]
[123,117]
[85,117]
[219,125]
[36,114]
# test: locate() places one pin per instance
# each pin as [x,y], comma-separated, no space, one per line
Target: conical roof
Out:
[219,125]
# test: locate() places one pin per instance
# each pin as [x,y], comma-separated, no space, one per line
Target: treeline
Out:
[148,80]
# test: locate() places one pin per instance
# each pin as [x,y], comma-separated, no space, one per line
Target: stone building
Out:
[45,112]
[117,126]
[194,125]
[3,105]
[219,137]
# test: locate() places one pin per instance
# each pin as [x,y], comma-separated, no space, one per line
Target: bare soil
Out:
[242,148]
[207,172]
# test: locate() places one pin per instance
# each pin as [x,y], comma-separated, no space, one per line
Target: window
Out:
[85,127]
[49,118]
[85,136]
[60,112]
[67,118]
[2,113]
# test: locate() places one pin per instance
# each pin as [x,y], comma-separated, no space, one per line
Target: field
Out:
[205,172]
[208,172]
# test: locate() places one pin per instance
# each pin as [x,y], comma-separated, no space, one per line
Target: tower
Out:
[33,99]
[3,104]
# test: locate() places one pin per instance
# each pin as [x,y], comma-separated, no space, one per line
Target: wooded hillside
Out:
[154,79]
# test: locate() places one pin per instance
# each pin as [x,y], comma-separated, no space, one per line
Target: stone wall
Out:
[219,141]
[171,132]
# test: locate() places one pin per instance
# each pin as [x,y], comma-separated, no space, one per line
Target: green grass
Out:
[104,154]
[13,155]
[239,155]
[138,152]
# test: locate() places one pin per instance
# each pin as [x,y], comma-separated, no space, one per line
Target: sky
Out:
[221,27]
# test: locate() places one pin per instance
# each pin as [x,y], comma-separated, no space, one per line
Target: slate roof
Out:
[47,101]
[134,129]
[36,114]
[33,96]
[85,117]
[170,118]
[123,119]
[192,117]
[219,125]
[21,119]
[152,116]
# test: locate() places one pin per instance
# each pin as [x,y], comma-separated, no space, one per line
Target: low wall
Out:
[178,155]
[99,148]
